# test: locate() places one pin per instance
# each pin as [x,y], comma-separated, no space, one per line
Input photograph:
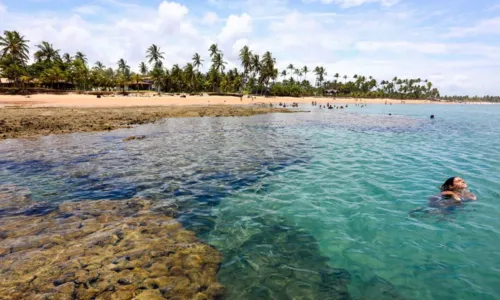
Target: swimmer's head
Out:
[454,184]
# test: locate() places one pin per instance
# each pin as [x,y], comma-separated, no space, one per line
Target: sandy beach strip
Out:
[75,100]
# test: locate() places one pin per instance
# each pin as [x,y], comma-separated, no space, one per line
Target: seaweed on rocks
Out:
[106,249]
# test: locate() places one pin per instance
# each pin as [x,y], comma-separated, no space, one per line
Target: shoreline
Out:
[22,122]
[77,100]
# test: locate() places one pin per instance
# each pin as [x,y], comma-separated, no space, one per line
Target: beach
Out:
[75,100]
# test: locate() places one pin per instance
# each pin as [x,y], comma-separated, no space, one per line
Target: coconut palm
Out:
[66,58]
[136,78]
[219,63]
[14,54]
[214,49]
[197,61]
[122,65]
[283,74]
[297,73]
[155,55]
[157,74]
[143,69]
[305,70]
[246,59]
[46,53]
[190,76]
[292,69]
[320,74]
[99,66]
[81,57]
[14,44]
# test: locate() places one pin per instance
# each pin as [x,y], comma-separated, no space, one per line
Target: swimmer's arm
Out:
[470,196]
[452,195]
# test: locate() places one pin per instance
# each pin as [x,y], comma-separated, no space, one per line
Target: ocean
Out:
[311,205]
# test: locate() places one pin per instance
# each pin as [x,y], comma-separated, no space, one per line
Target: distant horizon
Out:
[456,46]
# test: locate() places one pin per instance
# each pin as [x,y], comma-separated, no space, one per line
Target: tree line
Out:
[257,75]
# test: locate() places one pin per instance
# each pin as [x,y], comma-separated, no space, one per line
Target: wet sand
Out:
[30,122]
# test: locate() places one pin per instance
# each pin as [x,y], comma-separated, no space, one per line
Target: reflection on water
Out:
[310,205]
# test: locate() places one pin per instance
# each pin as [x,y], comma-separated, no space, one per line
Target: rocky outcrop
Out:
[105,249]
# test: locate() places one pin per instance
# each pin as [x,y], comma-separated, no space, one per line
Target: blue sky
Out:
[455,44]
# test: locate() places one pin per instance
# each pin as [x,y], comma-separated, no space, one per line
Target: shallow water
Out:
[303,204]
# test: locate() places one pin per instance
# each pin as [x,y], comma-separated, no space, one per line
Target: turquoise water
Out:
[304,206]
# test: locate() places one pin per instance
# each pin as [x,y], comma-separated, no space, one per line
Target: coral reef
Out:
[131,249]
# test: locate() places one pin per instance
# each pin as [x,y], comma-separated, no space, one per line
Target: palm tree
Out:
[14,44]
[320,74]
[155,55]
[190,75]
[67,58]
[291,68]
[15,50]
[305,70]
[345,78]
[46,53]
[99,66]
[214,49]
[219,62]
[256,66]
[197,62]
[137,78]
[81,57]
[267,68]
[246,59]
[24,79]
[157,75]
[143,69]
[122,65]
[283,74]
[297,73]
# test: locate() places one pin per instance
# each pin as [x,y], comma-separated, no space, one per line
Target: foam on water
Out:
[303,205]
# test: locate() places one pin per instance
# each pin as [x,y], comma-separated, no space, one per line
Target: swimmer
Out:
[453,192]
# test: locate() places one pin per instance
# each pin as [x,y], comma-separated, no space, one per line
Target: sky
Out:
[453,43]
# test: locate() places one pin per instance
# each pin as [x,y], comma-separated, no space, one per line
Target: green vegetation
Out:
[471,98]
[259,75]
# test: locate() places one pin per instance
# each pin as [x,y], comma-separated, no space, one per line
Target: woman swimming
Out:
[453,192]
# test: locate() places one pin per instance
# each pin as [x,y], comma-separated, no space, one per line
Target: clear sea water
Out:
[303,206]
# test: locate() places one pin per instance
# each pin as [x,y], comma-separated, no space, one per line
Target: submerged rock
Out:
[102,250]
[134,137]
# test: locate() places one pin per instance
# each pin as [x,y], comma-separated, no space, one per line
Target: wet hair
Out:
[432,116]
[448,184]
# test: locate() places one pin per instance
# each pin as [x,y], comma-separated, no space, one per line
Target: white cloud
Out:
[210,18]
[3,8]
[488,26]
[88,9]
[236,27]
[382,43]
[172,11]
[353,3]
